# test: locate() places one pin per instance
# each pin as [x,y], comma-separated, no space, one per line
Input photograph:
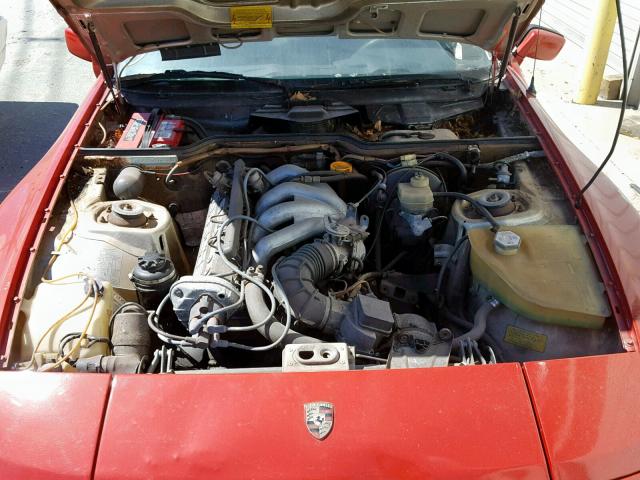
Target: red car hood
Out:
[443,423]
[125,28]
[466,422]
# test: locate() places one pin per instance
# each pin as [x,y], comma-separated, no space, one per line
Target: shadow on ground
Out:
[27,130]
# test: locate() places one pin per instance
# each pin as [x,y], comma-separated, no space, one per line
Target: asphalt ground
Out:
[41,86]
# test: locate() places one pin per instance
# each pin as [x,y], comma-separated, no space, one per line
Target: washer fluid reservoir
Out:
[110,237]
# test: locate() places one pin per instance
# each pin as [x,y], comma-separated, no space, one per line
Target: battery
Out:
[134,131]
[168,133]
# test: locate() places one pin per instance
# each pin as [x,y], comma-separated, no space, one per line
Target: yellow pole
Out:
[597,52]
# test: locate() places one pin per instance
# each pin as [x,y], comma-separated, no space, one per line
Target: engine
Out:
[328,260]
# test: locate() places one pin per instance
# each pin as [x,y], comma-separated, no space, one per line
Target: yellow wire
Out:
[64,239]
[55,324]
[56,281]
[78,344]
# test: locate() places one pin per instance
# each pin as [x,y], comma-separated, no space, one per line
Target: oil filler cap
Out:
[341,167]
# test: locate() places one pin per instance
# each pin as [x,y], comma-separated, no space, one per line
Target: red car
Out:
[316,240]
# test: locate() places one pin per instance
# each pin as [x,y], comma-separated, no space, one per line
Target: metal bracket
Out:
[374,10]
[317,357]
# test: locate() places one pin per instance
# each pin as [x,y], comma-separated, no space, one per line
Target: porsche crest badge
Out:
[319,418]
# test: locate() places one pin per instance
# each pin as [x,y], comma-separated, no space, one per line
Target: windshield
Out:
[289,58]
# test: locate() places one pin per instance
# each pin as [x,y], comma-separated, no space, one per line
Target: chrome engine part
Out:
[196,297]
[418,343]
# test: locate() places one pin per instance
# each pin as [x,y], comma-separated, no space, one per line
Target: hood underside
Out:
[128,27]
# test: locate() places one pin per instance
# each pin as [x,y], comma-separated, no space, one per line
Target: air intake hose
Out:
[272,330]
[300,274]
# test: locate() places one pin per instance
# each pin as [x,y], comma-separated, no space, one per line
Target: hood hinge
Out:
[106,74]
[509,45]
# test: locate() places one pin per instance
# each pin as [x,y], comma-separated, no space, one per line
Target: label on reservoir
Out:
[251,17]
[525,339]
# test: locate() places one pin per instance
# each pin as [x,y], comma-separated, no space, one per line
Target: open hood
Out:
[124,28]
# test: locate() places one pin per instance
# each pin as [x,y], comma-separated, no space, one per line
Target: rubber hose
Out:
[343,176]
[300,274]
[477,206]
[457,282]
[272,330]
[479,323]
[444,159]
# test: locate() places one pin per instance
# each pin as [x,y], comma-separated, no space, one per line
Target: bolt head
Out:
[445,334]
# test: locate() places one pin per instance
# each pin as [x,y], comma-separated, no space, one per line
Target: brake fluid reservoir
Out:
[416,196]
[49,304]
[110,237]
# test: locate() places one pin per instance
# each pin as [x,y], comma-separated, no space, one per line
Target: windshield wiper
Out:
[169,75]
[398,81]
[340,83]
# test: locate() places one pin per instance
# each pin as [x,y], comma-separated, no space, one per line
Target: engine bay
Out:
[309,244]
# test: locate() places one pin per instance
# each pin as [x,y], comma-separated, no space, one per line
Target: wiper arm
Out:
[169,75]
[398,81]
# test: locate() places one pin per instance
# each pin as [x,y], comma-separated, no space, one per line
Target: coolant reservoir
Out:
[110,236]
[416,196]
[550,278]
[50,303]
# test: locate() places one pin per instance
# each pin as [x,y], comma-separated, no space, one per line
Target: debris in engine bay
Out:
[300,96]
[372,134]
[469,126]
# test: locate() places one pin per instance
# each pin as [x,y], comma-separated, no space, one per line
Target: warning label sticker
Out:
[525,339]
[251,17]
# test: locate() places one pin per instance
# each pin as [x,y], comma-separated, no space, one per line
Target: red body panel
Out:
[422,423]
[78,49]
[50,424]
[539,43]
[610,223]
[24,212]
[588,413]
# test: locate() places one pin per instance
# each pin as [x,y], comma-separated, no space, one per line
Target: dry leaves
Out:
[302,97]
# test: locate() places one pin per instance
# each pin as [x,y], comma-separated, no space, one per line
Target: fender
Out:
[25,211]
